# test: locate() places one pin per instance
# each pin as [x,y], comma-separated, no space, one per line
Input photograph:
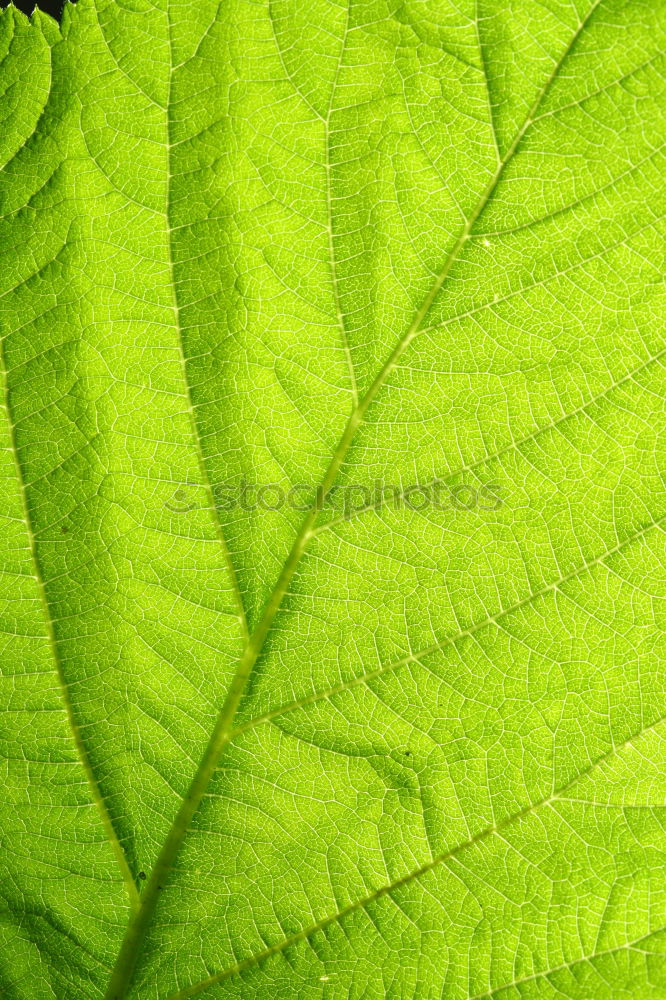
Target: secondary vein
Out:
[329,225]
[79,743]
[412,876]
[449,640]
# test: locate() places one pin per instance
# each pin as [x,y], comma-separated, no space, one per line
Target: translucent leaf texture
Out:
[402,752]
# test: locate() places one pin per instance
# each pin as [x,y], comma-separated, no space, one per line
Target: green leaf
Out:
[399,729]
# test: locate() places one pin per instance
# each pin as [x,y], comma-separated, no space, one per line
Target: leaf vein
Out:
[385,890]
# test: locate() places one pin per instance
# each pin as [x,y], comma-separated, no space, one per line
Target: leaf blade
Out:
[352,592]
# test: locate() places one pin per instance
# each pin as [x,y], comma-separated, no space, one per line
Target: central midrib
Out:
[139,922]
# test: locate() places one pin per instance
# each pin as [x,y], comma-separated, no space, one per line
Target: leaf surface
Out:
[373,748]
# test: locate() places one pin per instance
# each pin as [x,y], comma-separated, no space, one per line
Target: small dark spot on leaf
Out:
[142,875]
[408,753]
[64,529]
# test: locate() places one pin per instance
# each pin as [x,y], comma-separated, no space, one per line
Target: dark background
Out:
[52,7]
